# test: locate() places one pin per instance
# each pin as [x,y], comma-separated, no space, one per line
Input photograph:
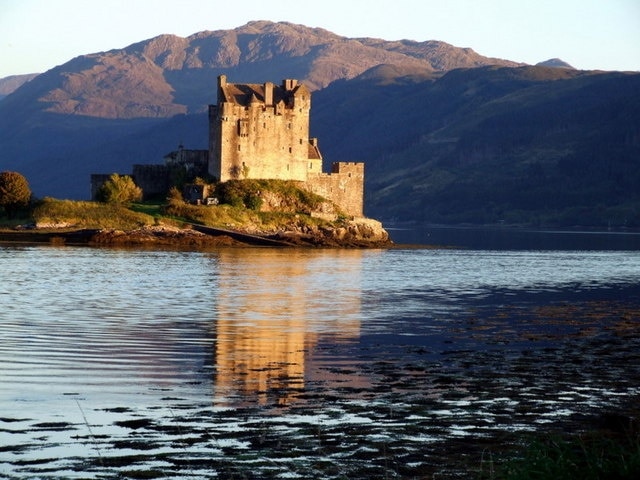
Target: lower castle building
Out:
[260,131]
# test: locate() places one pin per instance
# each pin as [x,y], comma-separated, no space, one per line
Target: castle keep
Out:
[258,131]
[262,131]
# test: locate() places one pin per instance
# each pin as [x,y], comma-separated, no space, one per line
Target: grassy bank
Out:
[229,217]
[609,452]
[54,213]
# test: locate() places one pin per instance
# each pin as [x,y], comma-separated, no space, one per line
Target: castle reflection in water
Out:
[268,328]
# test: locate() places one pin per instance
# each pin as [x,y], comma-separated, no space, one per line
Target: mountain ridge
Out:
[533,145]
[168,75]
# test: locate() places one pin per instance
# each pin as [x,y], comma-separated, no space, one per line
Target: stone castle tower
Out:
[261,131]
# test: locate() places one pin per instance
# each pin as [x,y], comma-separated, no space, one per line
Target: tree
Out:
[119,189]
[14,192]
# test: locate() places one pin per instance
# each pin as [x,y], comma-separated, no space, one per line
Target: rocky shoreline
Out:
[356,233]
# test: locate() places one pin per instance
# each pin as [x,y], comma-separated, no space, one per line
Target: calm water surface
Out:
[270,363]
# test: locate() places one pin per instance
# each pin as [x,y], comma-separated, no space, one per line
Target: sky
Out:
[36,35]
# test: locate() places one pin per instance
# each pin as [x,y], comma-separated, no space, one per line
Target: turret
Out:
[268,94]
[222,83]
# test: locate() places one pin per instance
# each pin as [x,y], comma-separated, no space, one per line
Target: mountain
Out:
[446,134]
[554,62]
[170,75]
[12,83]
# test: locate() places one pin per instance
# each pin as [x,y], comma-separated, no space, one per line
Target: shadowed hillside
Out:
[531,144]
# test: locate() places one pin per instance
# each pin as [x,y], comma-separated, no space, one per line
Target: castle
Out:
[260,131]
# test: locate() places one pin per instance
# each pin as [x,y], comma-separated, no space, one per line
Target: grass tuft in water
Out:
[596,455]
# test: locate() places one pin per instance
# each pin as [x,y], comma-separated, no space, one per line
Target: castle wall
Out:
[344,186]
[152,179]
[194,162]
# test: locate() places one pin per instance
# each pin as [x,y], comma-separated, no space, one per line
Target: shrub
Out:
[240,193]
[14,192]
[119,189]
[248,194]
[174,197]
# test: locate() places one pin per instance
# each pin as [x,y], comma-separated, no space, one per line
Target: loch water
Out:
[300,363]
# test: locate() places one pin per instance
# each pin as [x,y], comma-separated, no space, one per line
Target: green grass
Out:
[240,202]
[239,209]
[153,209]
[78,214]
[231,217]
[596,455]
[70,214]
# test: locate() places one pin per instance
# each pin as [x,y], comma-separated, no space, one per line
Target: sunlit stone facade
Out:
[261,131]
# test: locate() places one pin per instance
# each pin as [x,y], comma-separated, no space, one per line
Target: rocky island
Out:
[250,213]
[357,233]
[262,158]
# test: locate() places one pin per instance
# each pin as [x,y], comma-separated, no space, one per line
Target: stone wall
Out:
[193,162]
[154,180]
[262,131]
[344,186]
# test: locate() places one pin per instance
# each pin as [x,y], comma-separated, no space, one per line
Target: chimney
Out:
[289,84]
[268,94]
[222,82]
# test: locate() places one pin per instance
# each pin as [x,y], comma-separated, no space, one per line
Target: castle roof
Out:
[314,152]
[243,94]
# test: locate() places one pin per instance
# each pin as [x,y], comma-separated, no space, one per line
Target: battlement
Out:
[344,186]
[355,168]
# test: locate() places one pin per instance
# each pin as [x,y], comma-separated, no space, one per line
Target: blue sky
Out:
[36,35]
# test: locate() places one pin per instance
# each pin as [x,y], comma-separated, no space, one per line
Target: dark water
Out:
[268,363]
[503,238]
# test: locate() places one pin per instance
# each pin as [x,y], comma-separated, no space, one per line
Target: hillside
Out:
[532,145]
[447,135]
